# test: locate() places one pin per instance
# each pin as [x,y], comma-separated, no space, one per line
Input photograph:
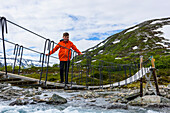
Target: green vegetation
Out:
[144,38]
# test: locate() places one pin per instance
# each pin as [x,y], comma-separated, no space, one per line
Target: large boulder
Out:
[56,99]
[132,96]
[150,100]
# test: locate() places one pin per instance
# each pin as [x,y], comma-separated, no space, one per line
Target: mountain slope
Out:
[144,39]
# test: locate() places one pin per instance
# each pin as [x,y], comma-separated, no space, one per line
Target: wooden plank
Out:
[9,79]
[11,75]
[38,85]
[22,82]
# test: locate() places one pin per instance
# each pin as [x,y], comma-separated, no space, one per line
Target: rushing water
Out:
[70,109]
[75,106]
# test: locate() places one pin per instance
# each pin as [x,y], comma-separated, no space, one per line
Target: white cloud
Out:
[83,44]
[80,18]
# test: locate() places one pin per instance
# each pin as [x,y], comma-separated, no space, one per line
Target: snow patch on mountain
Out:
[159,21]
[166,32]
[136,47]
[131,29]
[117,41]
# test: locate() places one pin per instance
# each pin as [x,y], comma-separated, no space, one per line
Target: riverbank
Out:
[106,100]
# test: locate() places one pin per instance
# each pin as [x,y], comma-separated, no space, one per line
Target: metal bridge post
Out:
[134,69]
[112,77]
[72,67]
[101,76]
[109,75]
[130,74]
[125,74]
[81,74]
[87,73]
[3,24]
[16,54]
[119,69]
[43,60]
[93,75]
[141,80]
[49,47]
[154,76]
[20,49]
[40,57]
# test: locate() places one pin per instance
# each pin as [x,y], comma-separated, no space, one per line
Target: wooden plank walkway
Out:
[22,81]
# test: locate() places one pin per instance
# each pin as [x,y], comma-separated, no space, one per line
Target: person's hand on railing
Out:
[81,54]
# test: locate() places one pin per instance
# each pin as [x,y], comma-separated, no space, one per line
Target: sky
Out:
[88,21]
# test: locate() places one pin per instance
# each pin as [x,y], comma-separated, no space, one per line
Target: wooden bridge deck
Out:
[19,80]
[22,81]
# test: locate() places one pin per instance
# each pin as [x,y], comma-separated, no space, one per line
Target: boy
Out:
[64,46]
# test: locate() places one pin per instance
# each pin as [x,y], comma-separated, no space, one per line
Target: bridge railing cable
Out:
[18,51]
[108,72]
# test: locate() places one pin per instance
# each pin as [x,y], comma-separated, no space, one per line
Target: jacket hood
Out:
[61,40]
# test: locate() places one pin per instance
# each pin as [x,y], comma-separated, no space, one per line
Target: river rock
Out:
[30,95]
[19,102]
[38,93]
[113,100]
[168,86]
[150,99]
[56,99]
[91,100]
[131,96]
[38,99]
[33,102]
[3,86]
[90,94]
[117,106]
[5,97]
[123,100]
[45,95]
[168,96]
[11,92]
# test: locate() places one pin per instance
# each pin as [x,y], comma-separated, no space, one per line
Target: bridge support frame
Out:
[149,82]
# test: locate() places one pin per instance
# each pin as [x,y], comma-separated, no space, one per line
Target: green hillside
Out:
[127,46]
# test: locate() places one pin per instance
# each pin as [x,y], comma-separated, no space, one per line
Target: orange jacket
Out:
[63,52]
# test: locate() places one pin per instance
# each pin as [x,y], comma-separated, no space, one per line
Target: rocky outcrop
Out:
[150,100]
[56,99]
[19,102]
[132,96]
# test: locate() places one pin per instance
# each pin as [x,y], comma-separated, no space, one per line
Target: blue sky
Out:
[88,22]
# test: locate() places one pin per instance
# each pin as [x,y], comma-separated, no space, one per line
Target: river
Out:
[74,106]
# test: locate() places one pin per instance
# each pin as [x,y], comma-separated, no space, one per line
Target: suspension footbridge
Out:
[82,76]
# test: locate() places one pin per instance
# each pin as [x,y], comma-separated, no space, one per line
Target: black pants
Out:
[64,66]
